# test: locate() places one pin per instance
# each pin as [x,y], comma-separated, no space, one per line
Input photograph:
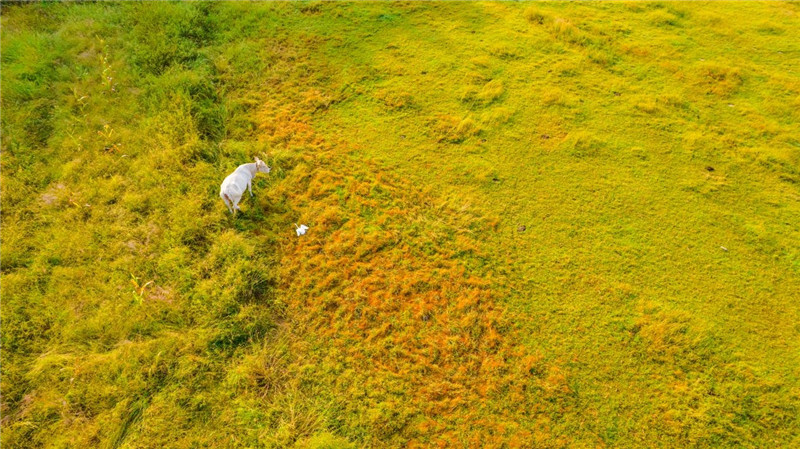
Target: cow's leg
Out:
[250,187]
[236,204]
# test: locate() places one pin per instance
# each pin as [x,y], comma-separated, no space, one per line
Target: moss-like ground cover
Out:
[531,225]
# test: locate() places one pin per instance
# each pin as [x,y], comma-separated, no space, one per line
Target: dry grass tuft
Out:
[720,79]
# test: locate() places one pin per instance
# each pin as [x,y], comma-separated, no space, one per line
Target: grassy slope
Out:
[616,111]
[613,318]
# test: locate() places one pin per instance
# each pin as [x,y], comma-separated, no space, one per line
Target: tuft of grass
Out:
[484,95]
[660,17]
[719,78]
[455,130]
[496,116]
[553,96]
[534,15]
[324,441]
[564,30]
[395,99]
[583,144]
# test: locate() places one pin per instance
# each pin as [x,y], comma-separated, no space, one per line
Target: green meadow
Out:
[531,224]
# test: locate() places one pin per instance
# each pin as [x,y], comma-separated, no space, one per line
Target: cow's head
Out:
[262,166]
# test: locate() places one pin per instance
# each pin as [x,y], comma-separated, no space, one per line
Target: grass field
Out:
[531,225]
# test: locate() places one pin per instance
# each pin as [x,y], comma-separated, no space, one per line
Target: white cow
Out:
[234,185]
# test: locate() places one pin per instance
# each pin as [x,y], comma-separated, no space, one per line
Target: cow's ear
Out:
[257,159]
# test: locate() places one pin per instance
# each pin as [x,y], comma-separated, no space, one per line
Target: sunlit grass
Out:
[531,225]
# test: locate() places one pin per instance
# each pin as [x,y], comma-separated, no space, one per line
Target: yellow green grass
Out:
[531,225]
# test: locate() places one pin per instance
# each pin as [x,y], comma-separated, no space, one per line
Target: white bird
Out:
[300,229]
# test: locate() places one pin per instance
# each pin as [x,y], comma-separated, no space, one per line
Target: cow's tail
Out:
[228,202]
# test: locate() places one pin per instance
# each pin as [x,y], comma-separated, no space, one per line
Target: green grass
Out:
[531,225]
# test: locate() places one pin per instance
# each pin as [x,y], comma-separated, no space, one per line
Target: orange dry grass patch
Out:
[418,345]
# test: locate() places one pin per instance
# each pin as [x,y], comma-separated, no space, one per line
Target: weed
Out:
[138,289]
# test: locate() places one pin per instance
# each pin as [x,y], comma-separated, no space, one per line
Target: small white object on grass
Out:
[300,229]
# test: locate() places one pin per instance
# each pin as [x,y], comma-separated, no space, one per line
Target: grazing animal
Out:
[233,186]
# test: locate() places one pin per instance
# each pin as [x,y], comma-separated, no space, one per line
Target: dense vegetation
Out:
[531,225]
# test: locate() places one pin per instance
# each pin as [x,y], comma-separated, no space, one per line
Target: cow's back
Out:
[234,184]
